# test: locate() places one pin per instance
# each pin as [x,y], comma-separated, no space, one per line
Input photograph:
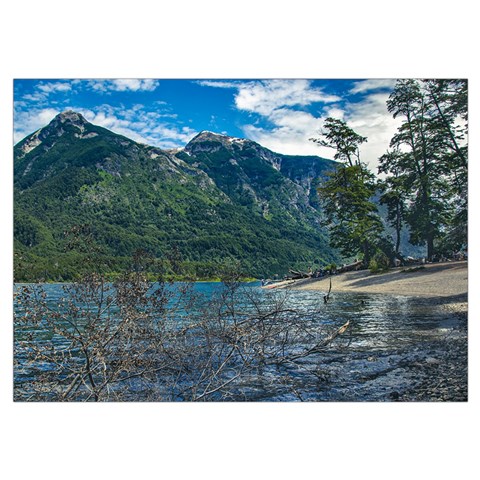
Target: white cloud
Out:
[30,120]
[53,87]
[140,125]
[37,97]
[217,83]
[295,120]
[373,84]
[334,111]
[124,85]
[134,85]
[286,141]
[42,91]
[290,134]
[292,128]
[371,119]
[266,96]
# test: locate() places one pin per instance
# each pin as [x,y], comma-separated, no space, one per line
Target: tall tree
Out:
[355,226]
[421,167]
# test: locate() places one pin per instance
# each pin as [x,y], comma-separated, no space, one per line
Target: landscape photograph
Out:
[240,240]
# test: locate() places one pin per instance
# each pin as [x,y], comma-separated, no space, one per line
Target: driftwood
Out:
[272,282]
[350,267]
[297,275]
[341,330]
[320,346]
[326,297]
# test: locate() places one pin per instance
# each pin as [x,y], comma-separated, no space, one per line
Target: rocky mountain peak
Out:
[206,135]
[69,117]
[210,141]
[49,134]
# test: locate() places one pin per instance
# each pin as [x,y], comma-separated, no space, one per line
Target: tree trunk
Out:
[366,253]
[398,229]
[430,247]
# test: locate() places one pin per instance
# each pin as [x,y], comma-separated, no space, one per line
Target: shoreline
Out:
[449,279]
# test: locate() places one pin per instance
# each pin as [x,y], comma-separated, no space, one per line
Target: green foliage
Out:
[331,267]
[379,263]
[29,231]
[355,227]
[338,135]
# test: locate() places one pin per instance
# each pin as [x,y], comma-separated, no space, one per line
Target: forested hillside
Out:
[217,200]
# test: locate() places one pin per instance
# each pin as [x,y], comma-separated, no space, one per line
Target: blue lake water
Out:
[392,345]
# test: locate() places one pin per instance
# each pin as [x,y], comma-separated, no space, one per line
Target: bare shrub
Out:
[139,340]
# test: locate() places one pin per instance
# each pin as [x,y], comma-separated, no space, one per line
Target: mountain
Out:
[218,198]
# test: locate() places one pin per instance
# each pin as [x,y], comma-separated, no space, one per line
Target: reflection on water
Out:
[392,345]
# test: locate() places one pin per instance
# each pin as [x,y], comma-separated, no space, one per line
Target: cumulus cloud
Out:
[334,111]
[43,90]
[36,97]
[290,133]
[264,96]
[141,125]
[218,83]
[284,140]
[53,87]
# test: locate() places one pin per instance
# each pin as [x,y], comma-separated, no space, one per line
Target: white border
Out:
[207,39]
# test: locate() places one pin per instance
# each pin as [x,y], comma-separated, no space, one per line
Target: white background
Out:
[247,39]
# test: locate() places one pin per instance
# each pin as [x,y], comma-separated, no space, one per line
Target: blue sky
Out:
[281,114]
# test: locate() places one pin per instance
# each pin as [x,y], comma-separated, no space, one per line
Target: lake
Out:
[396,348]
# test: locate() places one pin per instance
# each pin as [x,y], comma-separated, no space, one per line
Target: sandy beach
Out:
[436,279]
[448,279]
